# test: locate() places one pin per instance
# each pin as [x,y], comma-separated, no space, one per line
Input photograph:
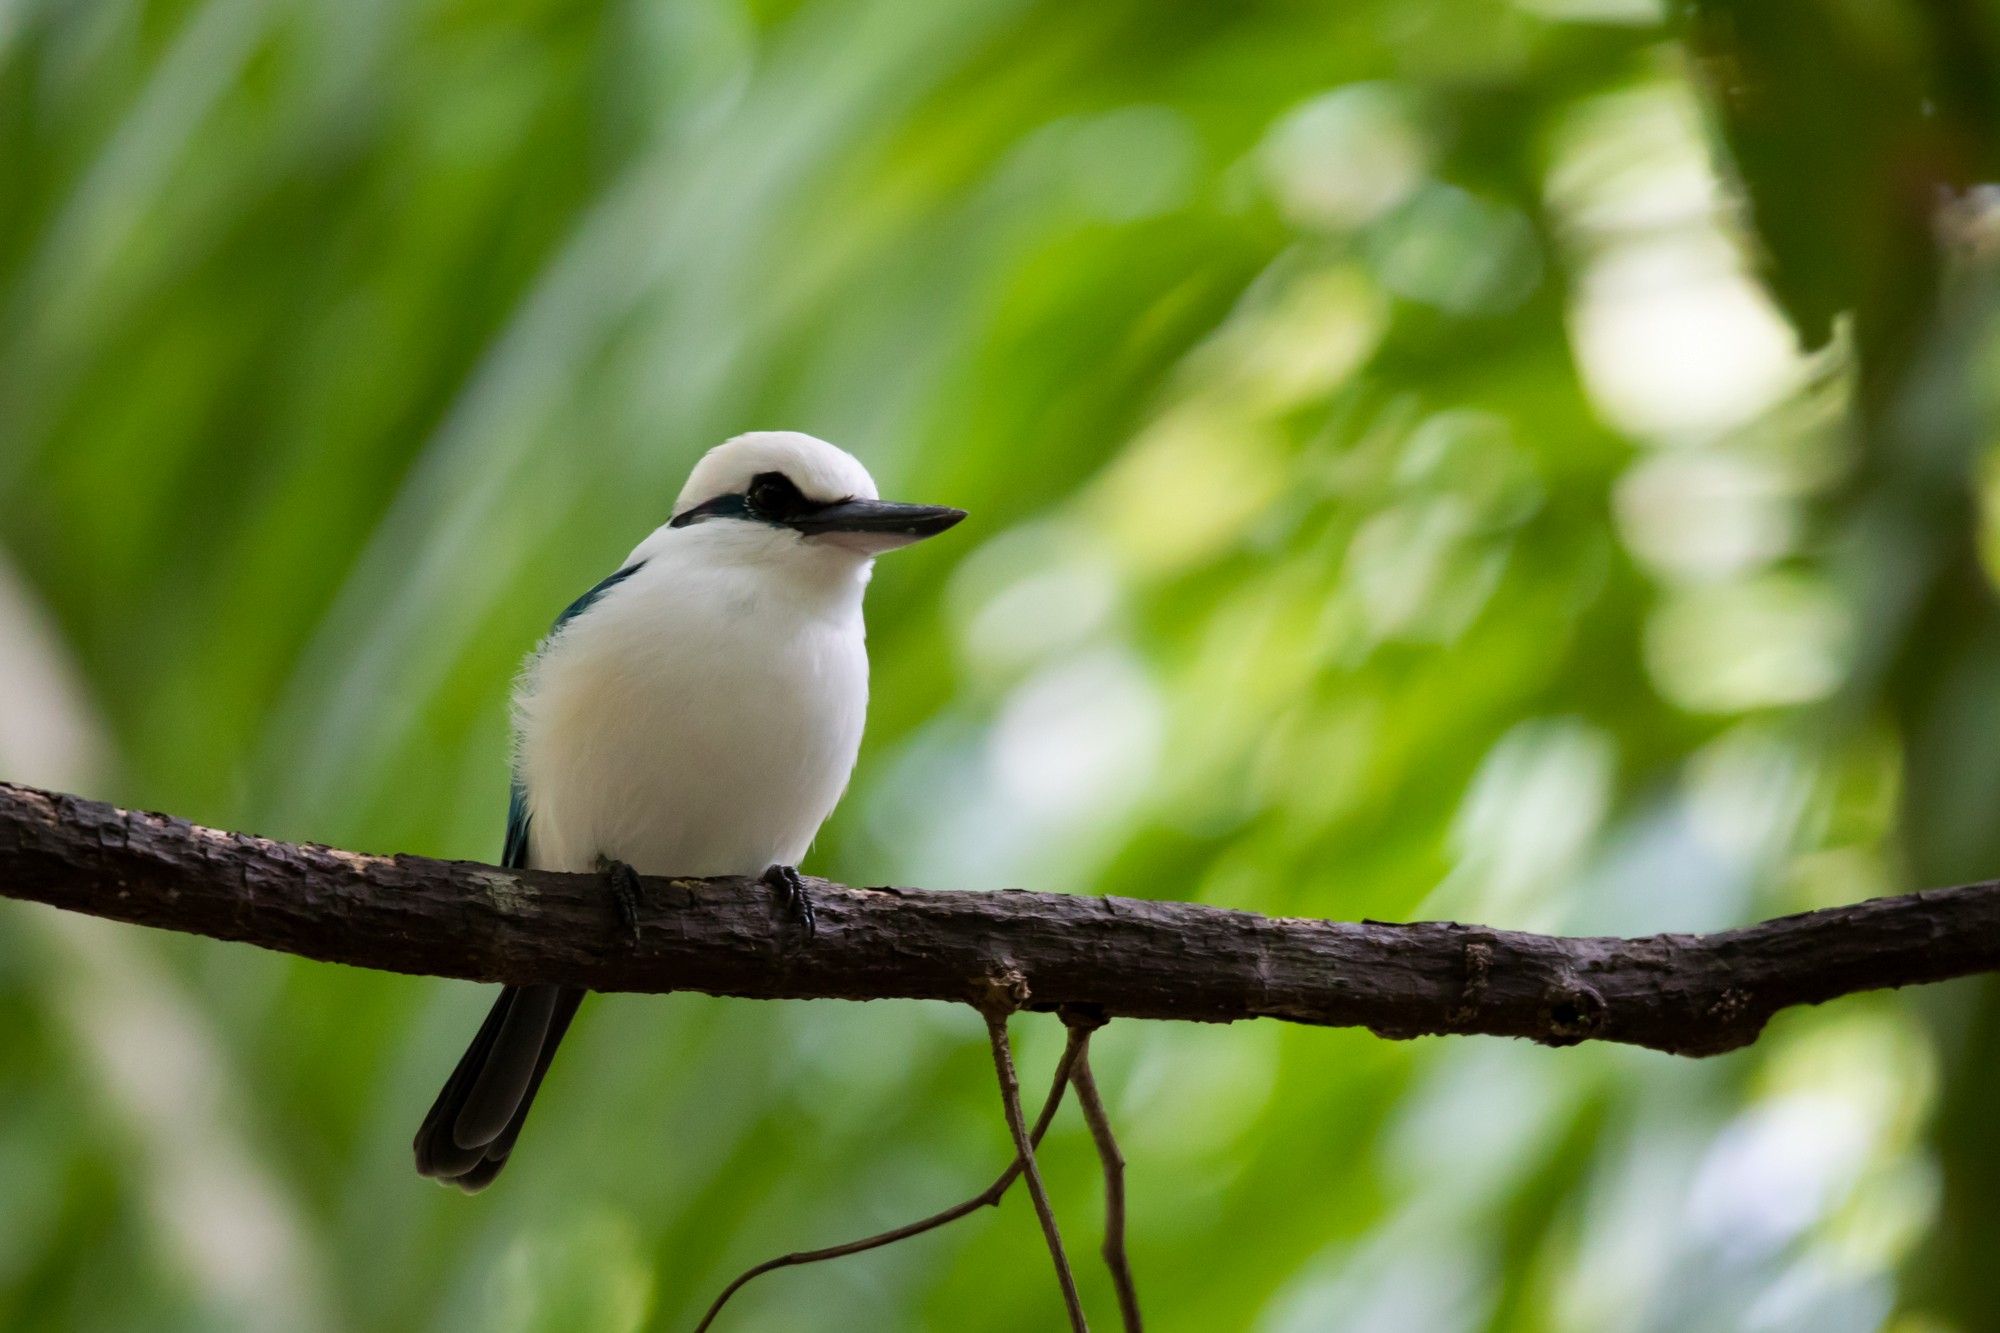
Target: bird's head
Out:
[780,490]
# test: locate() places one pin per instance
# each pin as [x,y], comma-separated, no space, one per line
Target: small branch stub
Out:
[1572,1015]
[1004,992]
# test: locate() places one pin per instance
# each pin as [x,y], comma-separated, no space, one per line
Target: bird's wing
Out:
[514,851]
[589,599]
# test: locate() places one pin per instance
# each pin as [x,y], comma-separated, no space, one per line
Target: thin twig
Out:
[1092,1105]
[986,1198]
[1010,1095]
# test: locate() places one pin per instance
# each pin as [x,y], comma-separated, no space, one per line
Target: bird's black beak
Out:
[874,526]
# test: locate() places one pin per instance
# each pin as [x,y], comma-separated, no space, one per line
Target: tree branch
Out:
[1692,994]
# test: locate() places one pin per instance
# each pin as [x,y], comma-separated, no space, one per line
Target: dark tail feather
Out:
[472,1126]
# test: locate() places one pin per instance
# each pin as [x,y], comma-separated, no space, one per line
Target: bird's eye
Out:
[772,496]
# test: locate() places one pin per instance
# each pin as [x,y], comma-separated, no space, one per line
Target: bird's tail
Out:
[465,1139]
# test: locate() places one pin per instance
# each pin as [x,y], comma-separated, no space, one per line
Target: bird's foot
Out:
[624,881]
[791,891]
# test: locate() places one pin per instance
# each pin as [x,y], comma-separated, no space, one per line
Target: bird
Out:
[698,712]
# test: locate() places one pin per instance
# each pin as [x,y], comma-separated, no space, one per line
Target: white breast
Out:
[697,720]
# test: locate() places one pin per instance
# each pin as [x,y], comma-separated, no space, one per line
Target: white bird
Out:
[696,713]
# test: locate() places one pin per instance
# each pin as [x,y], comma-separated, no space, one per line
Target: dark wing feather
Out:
[514,852]
[589,599]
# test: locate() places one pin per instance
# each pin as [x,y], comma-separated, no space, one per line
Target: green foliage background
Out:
[1521,461]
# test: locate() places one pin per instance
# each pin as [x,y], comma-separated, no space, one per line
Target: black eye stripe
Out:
[722,506]
[771,497]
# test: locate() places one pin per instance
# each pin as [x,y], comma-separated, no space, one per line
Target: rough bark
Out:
[1691,994]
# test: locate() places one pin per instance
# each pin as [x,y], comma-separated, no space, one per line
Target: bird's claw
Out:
[624,881]
[791,891]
